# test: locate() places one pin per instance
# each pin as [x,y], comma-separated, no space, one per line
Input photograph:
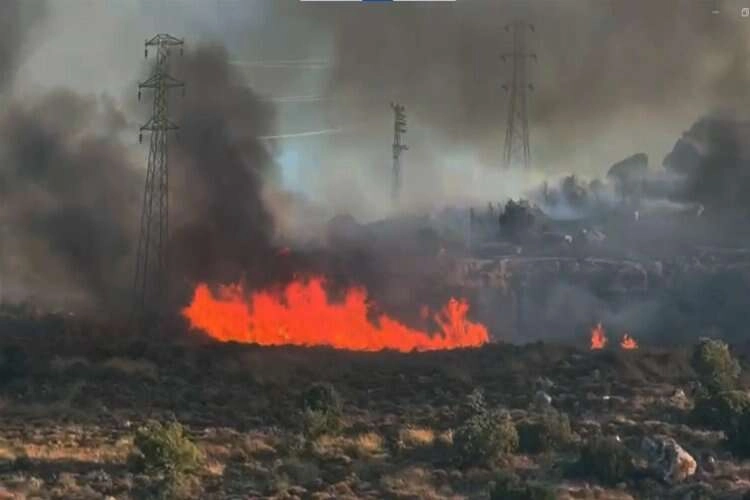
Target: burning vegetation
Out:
[599,339]
[303,314]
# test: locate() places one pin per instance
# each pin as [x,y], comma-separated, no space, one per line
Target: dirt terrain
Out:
[71,404]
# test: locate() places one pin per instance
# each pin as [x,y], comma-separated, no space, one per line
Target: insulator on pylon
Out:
[145,53]
[140,137]
[139,95]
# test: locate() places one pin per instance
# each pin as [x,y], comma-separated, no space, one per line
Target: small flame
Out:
[628,342]
[302,314]
[598,339]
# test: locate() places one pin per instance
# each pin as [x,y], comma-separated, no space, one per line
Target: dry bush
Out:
[414,437]
[366,445]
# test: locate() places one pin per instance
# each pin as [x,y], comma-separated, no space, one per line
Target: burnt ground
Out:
[69,415]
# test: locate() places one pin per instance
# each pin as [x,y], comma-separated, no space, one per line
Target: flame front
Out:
[628,342]
[303,315]
[598,339]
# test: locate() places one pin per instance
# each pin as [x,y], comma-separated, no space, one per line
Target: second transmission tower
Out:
[151,277]
[517,148]
[399,127]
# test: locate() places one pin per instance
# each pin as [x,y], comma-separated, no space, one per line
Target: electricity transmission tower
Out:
[151,276]
[399,127]
[517,150]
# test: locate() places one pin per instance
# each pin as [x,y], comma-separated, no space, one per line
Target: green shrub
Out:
[484,438]
[605,459]
[550,432]
[474,404]
[165,452]
[510,487]
[719,411]
[716,368]
[321,410]
[322,397]
[14,363]
[737,435]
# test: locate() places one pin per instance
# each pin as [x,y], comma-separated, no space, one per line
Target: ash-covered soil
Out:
[71,406]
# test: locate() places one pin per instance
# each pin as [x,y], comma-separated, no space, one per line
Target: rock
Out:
[667,459]
[708,463]
[679,399]
[545,384]
[542,400]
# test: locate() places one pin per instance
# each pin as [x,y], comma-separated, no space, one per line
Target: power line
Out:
[313,133]
[150,288]
[284,64]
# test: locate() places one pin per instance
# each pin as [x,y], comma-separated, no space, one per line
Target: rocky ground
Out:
[69,410]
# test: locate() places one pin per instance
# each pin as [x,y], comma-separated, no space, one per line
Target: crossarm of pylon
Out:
[163,124]
[157,79]
[164,39]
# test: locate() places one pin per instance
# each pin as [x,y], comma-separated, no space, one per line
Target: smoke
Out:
[68,193]
[223,229]
[612,78]
[17,20]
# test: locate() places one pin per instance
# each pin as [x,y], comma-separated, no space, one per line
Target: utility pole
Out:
[399,127]
[517,149]
[150,288]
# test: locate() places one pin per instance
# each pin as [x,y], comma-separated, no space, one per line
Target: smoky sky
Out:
[17,19]
[612,78]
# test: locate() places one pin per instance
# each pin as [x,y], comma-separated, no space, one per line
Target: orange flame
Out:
[302,315]
[598,339]
[628,342]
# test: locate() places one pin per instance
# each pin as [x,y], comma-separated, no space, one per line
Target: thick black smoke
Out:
[73,186]
[223,230]
[711,165]
[68,191]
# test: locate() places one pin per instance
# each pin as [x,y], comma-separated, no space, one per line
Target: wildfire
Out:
[302,314]
[598,339]
[628,342]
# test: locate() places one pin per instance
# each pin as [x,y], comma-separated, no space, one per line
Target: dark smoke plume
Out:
[223,230]
[68,192]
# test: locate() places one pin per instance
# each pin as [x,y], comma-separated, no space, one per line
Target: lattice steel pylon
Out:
[517,151]
[150,287]
[399,127]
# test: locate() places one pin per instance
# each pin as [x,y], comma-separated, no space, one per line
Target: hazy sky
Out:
[614,77]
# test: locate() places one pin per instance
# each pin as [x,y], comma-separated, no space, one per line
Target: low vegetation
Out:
[166,453]
[605,459]
[510,487]
[260,423]
[716,367]
[485,435]
[321,410]
[551,431]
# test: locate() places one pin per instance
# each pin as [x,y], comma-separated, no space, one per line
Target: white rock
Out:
[667,459]
[542,399]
